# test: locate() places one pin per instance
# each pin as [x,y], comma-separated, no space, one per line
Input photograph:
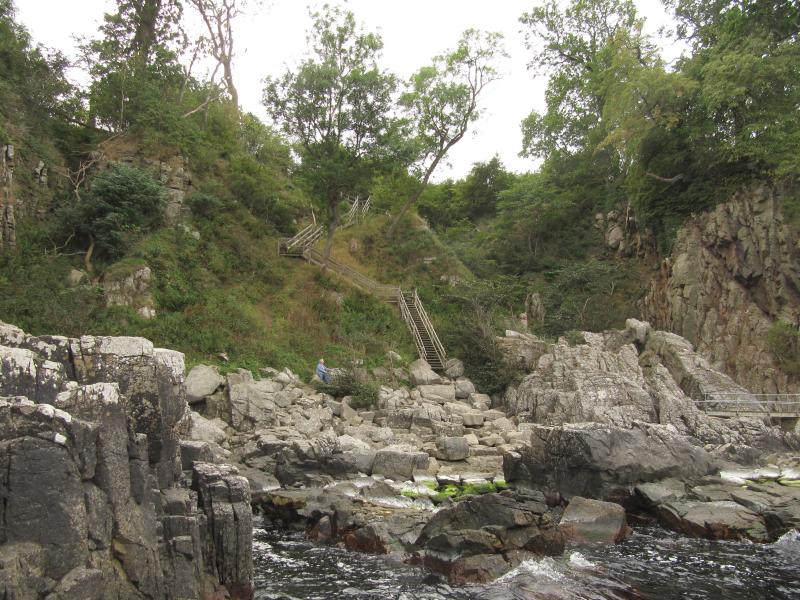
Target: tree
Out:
[479,191]
[580,48]
[336,108]
[218,16]
[122,201]
[134,63]
[442,102]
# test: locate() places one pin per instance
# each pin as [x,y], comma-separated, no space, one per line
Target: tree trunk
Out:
[332,224]
[417,193]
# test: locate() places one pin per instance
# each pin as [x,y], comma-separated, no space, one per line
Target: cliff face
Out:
[92,502]
[732,272]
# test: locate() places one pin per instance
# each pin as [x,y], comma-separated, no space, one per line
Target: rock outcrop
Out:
[619,378]
[732,273]
[93,501]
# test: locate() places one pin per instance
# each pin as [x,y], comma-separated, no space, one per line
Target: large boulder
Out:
[251,402]
[600,461]
[719,520]
[599,381]
[202,381]
[420,373]
[196,427]
[586,520]
[487,528]
[399,462]
[452,448]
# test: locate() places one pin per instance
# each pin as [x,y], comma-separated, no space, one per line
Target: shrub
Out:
[783,340]
[122,202]
[346,383]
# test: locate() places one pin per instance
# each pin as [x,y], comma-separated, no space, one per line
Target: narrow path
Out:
[413,312]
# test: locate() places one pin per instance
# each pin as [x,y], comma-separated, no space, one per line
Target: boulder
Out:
[597,461]
[719,520]
[472,419]
[590,521]
[250,401]
[196,427]
[202,381]
[453,368]
[399,462]
[464,387]
[483,527]
[440,393]
[420,373]
[452,448]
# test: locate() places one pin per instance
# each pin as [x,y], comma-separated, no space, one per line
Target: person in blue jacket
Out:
[322,371]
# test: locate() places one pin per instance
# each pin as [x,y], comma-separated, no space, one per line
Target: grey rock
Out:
[202,381]
[595,461]
[452,448]
[463,388]
[399,462]
[586,520]
[454,368]
[420,373]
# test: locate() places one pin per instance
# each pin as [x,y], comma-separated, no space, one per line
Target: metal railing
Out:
[412,326]
[306,237]
[384,291]
[358,210]
[747,404]
[437,345]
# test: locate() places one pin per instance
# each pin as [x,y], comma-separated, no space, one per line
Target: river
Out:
[651,564]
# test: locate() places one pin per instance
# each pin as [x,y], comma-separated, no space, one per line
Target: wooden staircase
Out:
[413,312]
[428,345]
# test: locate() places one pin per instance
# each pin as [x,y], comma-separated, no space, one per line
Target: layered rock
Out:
[605,462]
[732,273]
[93,505]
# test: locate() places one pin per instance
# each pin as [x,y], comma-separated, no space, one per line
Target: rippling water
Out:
[652,564]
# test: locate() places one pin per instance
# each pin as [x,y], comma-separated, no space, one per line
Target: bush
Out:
[783,340]
[346,383]
[122,202]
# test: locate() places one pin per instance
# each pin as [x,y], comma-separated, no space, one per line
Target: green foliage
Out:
[346,382]
[336,108]
[34,294]
[590,295]
[470,332]
[122,202]
[441,101]
[783,340]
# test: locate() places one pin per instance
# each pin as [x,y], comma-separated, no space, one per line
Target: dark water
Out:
[652,564]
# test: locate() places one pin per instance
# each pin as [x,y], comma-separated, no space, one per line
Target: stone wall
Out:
[94,503]
[733,272]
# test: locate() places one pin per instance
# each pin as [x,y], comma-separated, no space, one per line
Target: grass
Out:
[227,292]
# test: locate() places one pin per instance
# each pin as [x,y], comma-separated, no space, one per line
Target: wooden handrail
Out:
[437,344]
[412,326]
[307,237]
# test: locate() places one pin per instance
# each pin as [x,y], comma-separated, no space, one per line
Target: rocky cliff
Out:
[94,503]
[732,273]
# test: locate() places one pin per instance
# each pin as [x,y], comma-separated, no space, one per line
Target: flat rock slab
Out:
[720,520]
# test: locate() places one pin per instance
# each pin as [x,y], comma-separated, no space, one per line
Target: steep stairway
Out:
[413,312]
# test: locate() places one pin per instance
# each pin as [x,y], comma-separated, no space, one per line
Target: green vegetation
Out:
[621,130]
[783,339]
[346,382]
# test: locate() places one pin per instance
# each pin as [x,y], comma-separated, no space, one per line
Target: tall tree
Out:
[336,108]
[134,59]
[579,47]
[442,102]
[218,17]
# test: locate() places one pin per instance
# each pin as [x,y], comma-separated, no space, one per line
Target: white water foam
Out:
[545,568]
[576,559]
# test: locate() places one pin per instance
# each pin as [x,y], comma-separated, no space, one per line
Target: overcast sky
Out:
[269,40]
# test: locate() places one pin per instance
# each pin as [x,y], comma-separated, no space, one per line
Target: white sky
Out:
[413,31]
